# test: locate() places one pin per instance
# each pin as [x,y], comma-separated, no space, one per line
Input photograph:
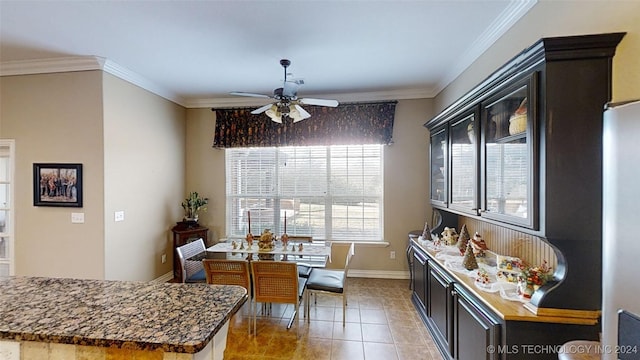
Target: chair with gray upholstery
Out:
[331,281]
[192,271]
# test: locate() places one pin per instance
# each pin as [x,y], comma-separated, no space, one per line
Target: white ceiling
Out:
[196,52]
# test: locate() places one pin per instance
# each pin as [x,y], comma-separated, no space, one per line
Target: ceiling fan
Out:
[287,103]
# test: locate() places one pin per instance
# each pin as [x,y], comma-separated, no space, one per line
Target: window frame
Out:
[367,156]
[7,150]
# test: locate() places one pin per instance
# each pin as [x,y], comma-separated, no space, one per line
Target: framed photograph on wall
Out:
[57,185]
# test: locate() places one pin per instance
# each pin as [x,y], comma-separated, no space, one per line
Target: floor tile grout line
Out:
[386,304]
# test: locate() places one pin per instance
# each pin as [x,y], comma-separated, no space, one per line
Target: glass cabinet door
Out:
[438,155]
[464,164]
[508,156]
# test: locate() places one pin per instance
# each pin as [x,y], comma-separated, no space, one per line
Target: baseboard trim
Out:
[164,278]
[378,274]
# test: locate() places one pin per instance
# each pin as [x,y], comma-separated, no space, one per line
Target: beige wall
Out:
[406,182]
[132,147]
[563,18]
[205,169]
[56,118]
[144,166]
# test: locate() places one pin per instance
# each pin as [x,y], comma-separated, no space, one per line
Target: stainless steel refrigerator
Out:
[621,220]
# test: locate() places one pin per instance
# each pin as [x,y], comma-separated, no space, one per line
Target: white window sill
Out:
[366,243]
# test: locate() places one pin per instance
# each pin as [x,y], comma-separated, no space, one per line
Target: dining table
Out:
[305,253]
[312,254]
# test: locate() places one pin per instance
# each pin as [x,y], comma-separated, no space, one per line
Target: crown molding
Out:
[136,79]
[508,17]
[85,63]
[51,65]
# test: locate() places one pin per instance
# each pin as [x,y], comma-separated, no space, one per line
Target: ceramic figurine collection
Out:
[527,279]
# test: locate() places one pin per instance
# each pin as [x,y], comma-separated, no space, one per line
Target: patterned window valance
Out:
[347,124]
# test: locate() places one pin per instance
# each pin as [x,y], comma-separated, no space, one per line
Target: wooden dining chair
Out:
[192,271]
[229,272]
[331,281]
[276,282]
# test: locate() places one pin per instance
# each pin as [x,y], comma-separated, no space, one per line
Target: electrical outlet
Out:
[164,258]
[118,215]
[392,255]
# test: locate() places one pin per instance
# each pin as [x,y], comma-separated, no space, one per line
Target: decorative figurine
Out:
[249,240]
[266,240]
[479,246]
[463,239]
[234,245]
[483,277]
[469,261]
[426,232]
[300,247]
[293,247]
[241,245]
[450,236]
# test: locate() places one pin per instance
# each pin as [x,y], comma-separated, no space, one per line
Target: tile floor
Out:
[382,323]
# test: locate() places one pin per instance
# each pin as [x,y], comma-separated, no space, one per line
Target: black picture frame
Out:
[56,184]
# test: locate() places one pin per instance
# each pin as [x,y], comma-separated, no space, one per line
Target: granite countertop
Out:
[174,317]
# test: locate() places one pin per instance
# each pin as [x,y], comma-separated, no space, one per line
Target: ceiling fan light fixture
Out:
[274,114]
[301,113]
[295,114]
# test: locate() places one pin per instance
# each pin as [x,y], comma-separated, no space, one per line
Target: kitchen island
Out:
[51,318]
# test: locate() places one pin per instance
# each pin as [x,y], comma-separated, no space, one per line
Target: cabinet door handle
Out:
[454,293]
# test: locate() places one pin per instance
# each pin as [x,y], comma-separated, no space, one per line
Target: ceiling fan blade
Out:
[240,93]
[262,109]
[319,102]
[303,113]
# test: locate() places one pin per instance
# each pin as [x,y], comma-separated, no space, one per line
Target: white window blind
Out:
[507,178]
[328,192]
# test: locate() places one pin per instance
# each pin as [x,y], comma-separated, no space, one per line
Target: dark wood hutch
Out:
[541,176]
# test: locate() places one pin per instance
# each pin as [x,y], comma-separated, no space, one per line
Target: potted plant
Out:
[192,205]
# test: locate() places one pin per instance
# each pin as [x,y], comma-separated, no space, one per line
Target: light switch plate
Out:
[77,218]
[118,215]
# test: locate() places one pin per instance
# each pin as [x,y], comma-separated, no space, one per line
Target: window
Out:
[6,208]
[328,192]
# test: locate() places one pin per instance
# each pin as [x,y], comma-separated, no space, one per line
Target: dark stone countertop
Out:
[174,317]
